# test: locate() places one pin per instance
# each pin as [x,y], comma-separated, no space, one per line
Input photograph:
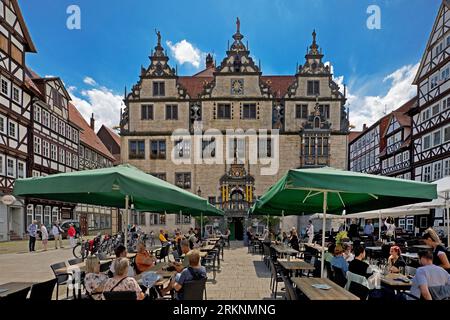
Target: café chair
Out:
[195,290]
[43,291]
[358,285]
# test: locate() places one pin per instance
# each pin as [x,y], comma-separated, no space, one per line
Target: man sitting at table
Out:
[428,275]
[121,252]
[162,237]
[357,265]
[194,272]
[144,261]
[338,261]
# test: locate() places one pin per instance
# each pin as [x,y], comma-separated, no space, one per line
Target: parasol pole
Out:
[322,260]
[126,221]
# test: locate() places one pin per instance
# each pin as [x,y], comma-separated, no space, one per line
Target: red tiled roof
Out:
[208,72]
[352,135]
[194,85]
[87,135]
[112,133]
[29,76]
[278,84]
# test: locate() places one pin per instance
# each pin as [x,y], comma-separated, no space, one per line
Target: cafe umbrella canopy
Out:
[329,190]
[118,187]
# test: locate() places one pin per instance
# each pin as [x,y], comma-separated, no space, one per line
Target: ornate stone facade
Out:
[307,109]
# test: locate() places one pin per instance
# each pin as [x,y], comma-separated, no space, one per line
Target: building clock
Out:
[237,86]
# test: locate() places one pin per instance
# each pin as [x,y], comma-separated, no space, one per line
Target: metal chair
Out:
[194,290]
[209,262]
[75,261]
[62,278]
[339,276]
[289,292]
[275,278]
[43,291]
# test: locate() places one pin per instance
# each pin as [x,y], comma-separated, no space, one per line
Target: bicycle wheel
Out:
[78,251]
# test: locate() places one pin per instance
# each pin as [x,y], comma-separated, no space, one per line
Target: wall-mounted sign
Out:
[8,199]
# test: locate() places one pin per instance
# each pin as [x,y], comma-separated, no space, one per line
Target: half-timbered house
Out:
[55,144]
[15,115]
[431,117]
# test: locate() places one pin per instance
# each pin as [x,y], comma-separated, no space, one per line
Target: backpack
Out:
[195,275]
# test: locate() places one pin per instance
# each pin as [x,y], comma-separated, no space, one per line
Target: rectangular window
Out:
[2,165]
[447,134]
[159,89]
[324,110]
[53,153]
[445,74]
[249,111]
[37,114]
[38,213]
[2,124]
[54,122]
[434,81]
[171,112]
[264,147]
[437,171]
[436,138]
[427,173]
[208,148]
[183,180]
[5,87]
[16,94]
[136,149]
[20,169]
[446,167]
[10,167]
[223,111]
[45,118]
[426,142]
[313,88]
[147,112]
[57,98]
[183,149]
[161,176]
[301,111]
[157,149]
[12,129]
[37,145]
[406,156]
[435,109]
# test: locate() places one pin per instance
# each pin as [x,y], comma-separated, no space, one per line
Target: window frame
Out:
[224,115]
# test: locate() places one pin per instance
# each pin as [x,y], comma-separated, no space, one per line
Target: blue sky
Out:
[116,38]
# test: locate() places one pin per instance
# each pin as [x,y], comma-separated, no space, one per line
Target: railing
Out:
[394,147]
[396,167]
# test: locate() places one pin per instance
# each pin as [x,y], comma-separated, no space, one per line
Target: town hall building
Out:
[300,121]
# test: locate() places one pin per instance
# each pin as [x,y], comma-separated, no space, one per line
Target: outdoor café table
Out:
[336,292]
[79,266]
[284,250]
[11,287]
[158,269]
[129,256]
[410,255]
[208,247]
[422,246]
[295,265]
[389,280]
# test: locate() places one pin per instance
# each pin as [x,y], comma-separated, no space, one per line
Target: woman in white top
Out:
[44,236]
[390,228]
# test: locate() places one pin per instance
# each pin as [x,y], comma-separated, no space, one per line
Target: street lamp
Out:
[199,193]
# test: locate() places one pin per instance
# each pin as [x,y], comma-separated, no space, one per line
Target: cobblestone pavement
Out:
[243,276]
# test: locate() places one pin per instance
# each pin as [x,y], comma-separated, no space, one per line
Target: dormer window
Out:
[237,64]
[159,89]
[313,88]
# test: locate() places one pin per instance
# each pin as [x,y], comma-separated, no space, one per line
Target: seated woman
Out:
[144,261]
[121,282]
[357,265]
[395,260]
[194,272]
[94,280]
[338,260]
[348,255]
[440,258]
[293,241]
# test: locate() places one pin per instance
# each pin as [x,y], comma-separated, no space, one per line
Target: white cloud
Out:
[103,102]
[185,52]
[367,109]
[90,81]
